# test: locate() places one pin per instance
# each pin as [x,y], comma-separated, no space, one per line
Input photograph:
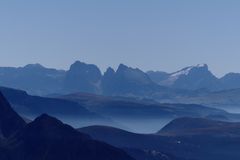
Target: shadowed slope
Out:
[10,121]
[48,138]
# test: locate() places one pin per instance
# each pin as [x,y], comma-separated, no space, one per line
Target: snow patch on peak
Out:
[201,65]
[183,72]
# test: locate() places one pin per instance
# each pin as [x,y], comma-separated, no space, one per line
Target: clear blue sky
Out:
[149,34]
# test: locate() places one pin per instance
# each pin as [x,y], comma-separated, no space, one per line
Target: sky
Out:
[163,35]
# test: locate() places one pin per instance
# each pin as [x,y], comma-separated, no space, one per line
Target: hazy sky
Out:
[149,34]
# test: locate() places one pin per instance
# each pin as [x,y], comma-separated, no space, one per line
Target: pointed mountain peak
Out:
[122,67]
[55,140]
[47,121]
[125,68]
[51,127]
[109,71]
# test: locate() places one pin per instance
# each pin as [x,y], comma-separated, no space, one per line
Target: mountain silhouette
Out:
[191,78]
[127,81]
[185,138]
[10,121]
[67,111]
[82,77]
[47,138]
[33,78]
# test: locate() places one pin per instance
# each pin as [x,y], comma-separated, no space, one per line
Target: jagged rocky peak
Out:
[109,71]
[133,74]
[122,67]
[108,75]
[125,68]
[82,77]
[83,68]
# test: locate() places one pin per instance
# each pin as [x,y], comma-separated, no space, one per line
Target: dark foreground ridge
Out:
[10,121]
[47,138]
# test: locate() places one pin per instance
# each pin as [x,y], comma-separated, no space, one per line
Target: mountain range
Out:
[192,78]
[30,107]
[195,132]
[84,109]
[193,84]
[82,77]
[185,138]
[136,115]
[47,138]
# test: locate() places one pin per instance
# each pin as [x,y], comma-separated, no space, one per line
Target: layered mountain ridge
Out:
[185,138]
[82,77]
[191,78]
[47,138]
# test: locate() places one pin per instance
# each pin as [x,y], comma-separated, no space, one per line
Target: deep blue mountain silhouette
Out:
[47,138]
[10,121]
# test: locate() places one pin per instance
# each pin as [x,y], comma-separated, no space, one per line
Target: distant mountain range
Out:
[177,106]
[82,77]
[192,78]
[196,78]
[193,84]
